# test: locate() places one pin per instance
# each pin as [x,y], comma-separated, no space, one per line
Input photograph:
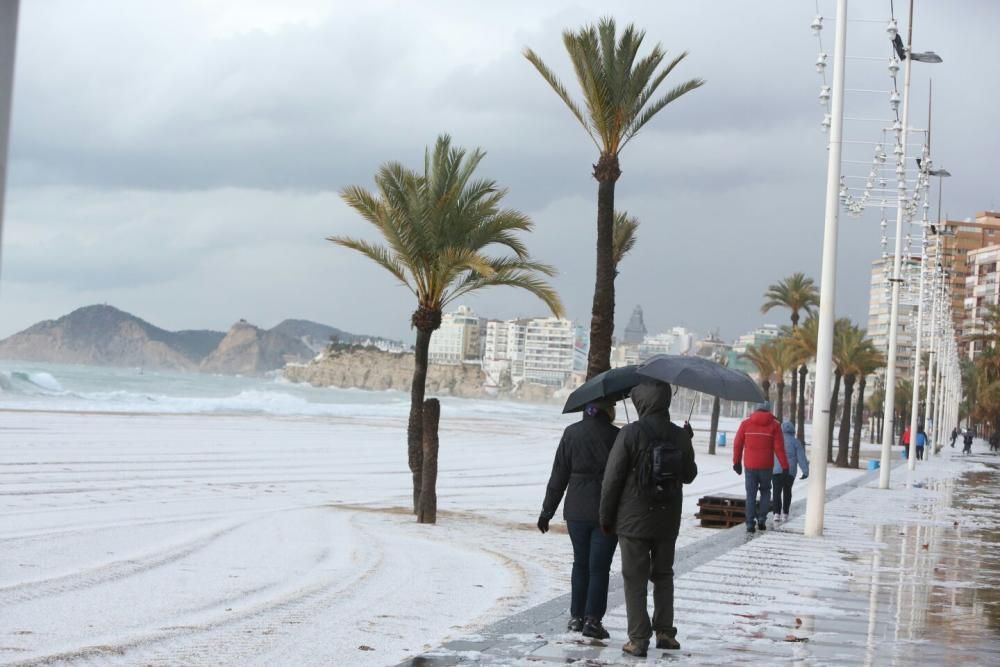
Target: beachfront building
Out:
[879,306]
[757,337]
[541,350]
[968,235]
[982,290]
[457,340]
[676,341]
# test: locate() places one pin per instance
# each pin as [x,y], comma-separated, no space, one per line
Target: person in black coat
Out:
[577,472]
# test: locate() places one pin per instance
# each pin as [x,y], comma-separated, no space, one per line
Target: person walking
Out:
[795,453]
[577,471]
[758,440]
[967,441]
[906,441]
[641,502]
[920,441]
[954,436]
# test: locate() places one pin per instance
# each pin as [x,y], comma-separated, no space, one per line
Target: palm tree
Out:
[762,358]
[716,408]
[856,353]
[804,340]
[783,357]
[618,94]
[437,228]
[867,364]
[841,328]
[798,294]
[624,237]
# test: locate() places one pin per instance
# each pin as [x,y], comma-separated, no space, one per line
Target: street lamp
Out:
[888,430]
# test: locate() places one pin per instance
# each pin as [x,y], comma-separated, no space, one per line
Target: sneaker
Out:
[665,641]
[762,525]
[638,649]
[575,624]
[778,518]
[592,628]
[751,528]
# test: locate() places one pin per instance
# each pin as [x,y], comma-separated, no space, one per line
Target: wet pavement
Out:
[902,577]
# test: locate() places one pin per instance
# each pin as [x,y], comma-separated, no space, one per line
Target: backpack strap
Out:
[650,434]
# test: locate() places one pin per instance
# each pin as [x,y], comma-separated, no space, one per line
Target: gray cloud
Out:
[182,159]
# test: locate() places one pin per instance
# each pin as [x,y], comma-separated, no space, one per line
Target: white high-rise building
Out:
[879,305]
[457,340]
[538,351]
[676,341]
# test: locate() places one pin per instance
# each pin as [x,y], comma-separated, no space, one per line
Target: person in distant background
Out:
[906,441]
[782,483]
[967,441]
[920,441]
[954,436]
[579,466]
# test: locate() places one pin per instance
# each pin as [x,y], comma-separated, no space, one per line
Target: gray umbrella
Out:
[703,375]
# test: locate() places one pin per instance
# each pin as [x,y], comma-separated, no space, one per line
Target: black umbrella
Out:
[702,375]
[610,386]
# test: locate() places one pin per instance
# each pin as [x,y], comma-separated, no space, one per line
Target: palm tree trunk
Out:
[780,411]
[859,415]
[845,420]
[714,431]
[427,512]
[801,430]
[602,315]
[425,321]
[792,398]
[833,413]
[766,386]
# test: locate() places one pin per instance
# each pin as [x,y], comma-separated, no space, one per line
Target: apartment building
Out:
[457,341]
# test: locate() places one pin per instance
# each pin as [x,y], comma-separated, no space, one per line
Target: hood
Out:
[761,418]
[651,397]
[788,427]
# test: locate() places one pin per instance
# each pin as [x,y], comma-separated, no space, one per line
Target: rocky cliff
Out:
[376,370]
[248,350]
[104,335]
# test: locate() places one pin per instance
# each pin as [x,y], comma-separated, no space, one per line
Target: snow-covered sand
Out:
[214,539]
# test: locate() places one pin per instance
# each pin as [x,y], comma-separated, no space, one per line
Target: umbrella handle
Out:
[691,412]
[627,420]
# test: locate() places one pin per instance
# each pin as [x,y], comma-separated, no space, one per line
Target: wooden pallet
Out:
[721,511]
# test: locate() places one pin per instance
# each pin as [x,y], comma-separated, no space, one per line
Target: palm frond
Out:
[560,90]
[378,254]
[624,235]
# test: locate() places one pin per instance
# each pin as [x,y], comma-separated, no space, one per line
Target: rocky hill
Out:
[106,336]
[378,371]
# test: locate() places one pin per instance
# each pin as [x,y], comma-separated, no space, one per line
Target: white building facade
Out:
[879,306]
[457,340]
[541,350]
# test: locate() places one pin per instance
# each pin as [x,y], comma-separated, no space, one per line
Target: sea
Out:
[78,388]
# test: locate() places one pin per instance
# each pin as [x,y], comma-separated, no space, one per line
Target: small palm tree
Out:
[856,356]
[625,238]
[867,363]
[799,295]
[783,358]
[762,358]
[620,97]
[438,227]
[842,337]
[804,340]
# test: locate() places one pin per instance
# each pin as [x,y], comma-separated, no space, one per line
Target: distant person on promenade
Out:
[758,441]
[967,441]
[579,467]
[906,441]
[641,503]
[795,453]
[954,436]
[995,441]
[920,442]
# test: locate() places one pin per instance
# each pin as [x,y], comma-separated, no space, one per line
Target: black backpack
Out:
[659,469]
[967,440]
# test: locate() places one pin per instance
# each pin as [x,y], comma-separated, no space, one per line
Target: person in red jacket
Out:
[757,442]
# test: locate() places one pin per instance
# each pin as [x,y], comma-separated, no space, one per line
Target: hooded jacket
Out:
[579,467]
[760,435]
[622,503]
[795,451]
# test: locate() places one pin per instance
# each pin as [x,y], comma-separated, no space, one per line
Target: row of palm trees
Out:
[441,228]
[855,358]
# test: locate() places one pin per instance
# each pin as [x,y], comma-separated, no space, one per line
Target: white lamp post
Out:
[8,44]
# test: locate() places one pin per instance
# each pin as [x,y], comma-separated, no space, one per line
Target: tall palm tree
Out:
[783,357]
[804,340]
[799,295]
[619,98]
[867,364]
[438,228]
[624,237]
[856,353]
[762,358]
[840,329]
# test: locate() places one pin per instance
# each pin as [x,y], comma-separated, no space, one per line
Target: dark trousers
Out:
[757,479]
[781,498]
[648,560]
[593,552]
[920,453]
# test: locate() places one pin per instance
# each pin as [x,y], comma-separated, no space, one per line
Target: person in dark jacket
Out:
[577,471]
[758,441]
[647,534]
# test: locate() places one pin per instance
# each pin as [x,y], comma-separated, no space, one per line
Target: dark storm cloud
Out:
[162,147]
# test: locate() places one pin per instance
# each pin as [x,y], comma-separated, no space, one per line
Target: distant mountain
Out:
[106,336]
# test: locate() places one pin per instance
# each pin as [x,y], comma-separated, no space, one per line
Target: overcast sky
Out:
[181,160]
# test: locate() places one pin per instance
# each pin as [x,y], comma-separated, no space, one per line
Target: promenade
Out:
[901,577]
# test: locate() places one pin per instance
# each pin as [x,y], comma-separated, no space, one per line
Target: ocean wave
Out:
[28,382]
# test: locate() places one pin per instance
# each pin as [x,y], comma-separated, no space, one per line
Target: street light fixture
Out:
[926,57]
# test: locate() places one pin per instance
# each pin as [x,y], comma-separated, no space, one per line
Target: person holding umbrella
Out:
[577,472]
[758,441]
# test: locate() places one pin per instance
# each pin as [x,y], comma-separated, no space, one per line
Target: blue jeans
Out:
[757,479]
[593,552]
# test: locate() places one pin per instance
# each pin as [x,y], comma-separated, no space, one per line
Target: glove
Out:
[738,469]
[543,524]
[785,471]
[607,530]
[804,476]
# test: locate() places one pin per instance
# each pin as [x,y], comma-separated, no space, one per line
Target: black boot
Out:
[751,528]
[665,641]
[762,525]
[592,628]
[575,624]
